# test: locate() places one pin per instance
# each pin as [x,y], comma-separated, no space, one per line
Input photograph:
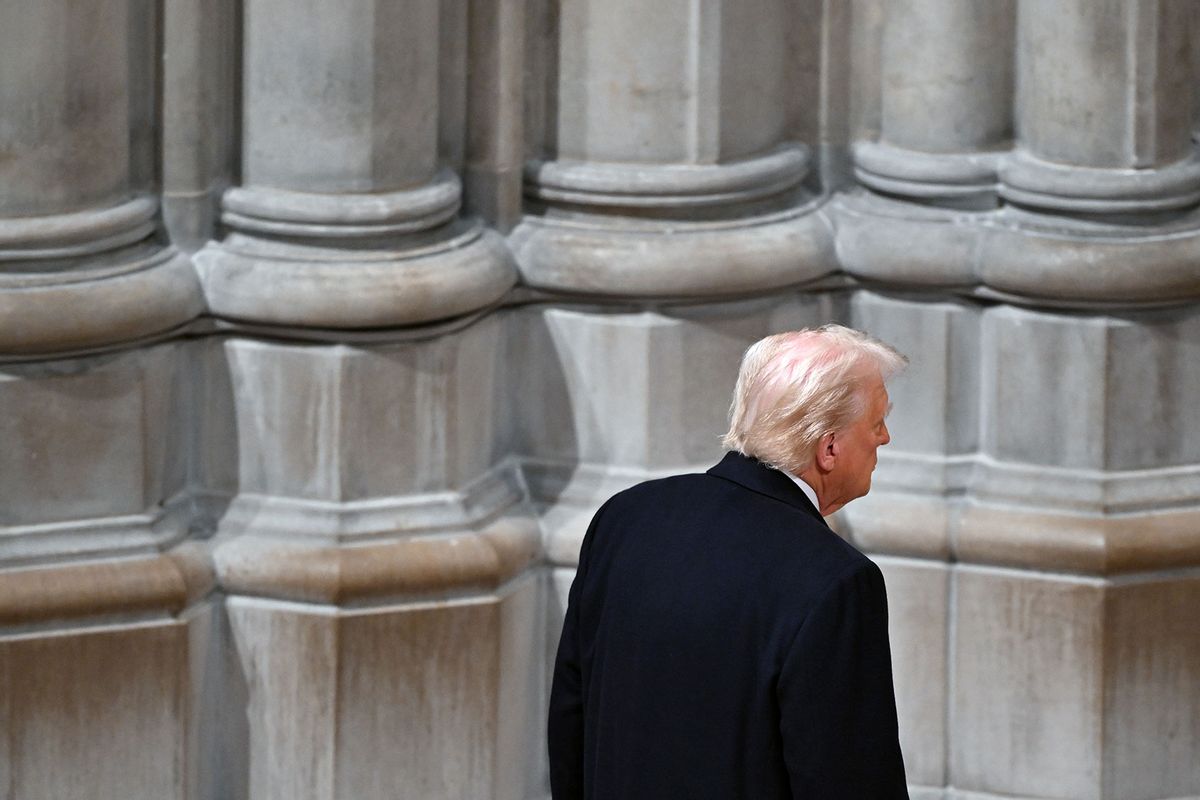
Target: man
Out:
[720,640]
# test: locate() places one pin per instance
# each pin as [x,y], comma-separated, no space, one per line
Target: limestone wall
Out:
[325,327]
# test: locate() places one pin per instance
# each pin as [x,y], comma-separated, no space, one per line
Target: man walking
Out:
[720,640]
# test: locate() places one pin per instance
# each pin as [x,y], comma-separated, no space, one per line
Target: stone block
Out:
[1027,718]
[918,616]
[1151,656]
[1043,389]
[343,423]
[1069,687]
[640,388]
[1089,413]
[99,712]
[628,396]
[94,448]
[431,699]
[1152,380]
[935,400]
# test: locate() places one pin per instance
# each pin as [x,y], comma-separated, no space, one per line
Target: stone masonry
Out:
[326,326]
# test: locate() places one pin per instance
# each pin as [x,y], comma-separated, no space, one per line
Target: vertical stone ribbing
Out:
[199,80]
[495,130]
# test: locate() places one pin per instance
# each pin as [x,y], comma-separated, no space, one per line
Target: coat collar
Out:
[758,477]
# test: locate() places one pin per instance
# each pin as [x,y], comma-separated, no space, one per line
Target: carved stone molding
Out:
[1017,255]
[926,176]
[262,281]
[1030,181]
[618,257]
[667,187]
[359,521]
[166,584]
[44,313]
[409,568]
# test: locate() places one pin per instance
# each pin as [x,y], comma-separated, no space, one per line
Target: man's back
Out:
[722,642]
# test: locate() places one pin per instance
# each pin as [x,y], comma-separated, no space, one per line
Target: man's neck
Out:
[805,487]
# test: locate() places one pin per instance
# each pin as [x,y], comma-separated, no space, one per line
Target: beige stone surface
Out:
[66,593]
[421,700]
[1151,675]
[918,627]
[407,567]
[99,712]
[1027,713]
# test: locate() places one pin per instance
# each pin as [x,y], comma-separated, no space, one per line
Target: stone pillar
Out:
[907,520]
[1105,164]
[80,266]
[344,217]
[946,101]
[661,139]
[1073,673]
[1105,108]
[105,617]
[1096,194]
[379,560]
[106,621]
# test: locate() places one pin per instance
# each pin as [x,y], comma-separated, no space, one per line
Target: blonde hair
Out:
[795,387]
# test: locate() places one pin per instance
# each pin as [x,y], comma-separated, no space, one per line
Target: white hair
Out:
[795,387]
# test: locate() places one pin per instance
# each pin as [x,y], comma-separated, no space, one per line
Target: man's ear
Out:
[828,448]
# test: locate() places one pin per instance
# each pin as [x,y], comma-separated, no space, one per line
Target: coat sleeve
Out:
[565,725]
[836,700]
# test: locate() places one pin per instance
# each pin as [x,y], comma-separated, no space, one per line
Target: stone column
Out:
[370,534]
[344,217]
[945,85]
[661,163]
[105,618]
[946,101]
[1074,672]
[1097,195]
[1105,108]
[379,560]
[79,263]
[1106,165]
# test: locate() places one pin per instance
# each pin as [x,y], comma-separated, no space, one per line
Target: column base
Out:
[956,180]
[1018,256]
